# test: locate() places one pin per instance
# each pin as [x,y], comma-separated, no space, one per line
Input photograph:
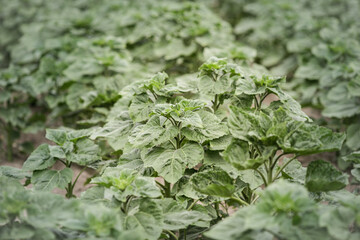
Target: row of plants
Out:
[181,154]
[316,44]
[174,156]
[69,59]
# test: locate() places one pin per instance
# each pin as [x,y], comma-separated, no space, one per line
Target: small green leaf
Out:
[58,136]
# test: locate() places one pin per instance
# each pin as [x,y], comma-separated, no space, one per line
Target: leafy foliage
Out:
[174,151]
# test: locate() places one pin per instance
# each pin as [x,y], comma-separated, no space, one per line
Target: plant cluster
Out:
[316,44]
[175,152]
[70,59]
[185,151]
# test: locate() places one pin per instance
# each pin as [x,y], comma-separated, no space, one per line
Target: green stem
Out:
[254,200]
[262,176]
[263,98]
[257,106]
[167,189]
[277,159]
[77,177]
[270,172]
[284,166]
[215,103]
[217,210]
[172,234]
[239,201]
[161,185]
[192,205]
[69,191]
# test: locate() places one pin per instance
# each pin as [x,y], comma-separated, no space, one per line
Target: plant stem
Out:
[69,191]
[217,210]
[277,159]
[262,176]
[161,185]
[269,174]
[215,103]
[192,204]
[284,166]
[254,200]
[167,189]
[172,234]
[239,201]
[77,177]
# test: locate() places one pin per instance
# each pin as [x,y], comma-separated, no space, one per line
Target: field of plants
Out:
[179,119]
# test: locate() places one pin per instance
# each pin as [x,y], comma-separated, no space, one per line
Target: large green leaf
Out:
[321,176]
[115,132]
[171,163]
[285,211]
[308,139]
[47,180]
[212,128]
[39,159]
[213,183]
[146,217]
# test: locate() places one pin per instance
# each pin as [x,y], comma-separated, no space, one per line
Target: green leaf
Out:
[147,217]
[182,219]
[294,171]
[238,155]
[87,152]
[321,176]
[58,136]
[308,139]
[47,180]
[212,128]
[140,108]
[17,231]
[285,211]
[82,68]
[13,172]
[152,133]
[353,157]
[353,136]
[115,132]
[248,125]
[213,183]
[220,143]
[177,217]
[39,159]
[171,163]
[216,77]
